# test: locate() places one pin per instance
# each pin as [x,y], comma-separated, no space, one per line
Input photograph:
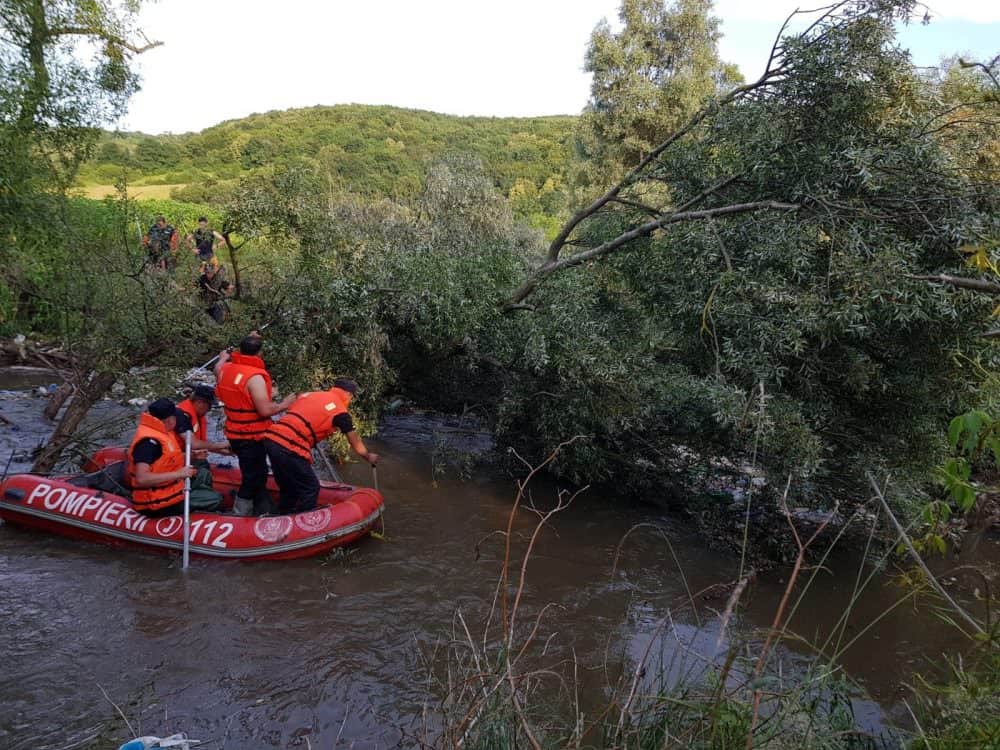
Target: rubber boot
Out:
[264,504]
[242,506]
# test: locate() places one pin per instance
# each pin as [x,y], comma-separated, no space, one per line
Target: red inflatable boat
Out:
[76,507]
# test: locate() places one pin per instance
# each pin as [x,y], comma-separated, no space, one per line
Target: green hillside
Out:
[372,150]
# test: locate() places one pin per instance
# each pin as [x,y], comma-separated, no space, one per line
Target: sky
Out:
[225,59]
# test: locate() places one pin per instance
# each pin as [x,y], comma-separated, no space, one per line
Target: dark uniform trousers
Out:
[295,476]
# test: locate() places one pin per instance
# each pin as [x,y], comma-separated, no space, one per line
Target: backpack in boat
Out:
[110,478]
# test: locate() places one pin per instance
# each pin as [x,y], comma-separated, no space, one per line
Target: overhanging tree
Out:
[812,77]
[769,284]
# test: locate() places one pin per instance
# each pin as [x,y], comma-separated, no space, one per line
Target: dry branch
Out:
[99,33]
[779,616]
[961,282]
[919,560]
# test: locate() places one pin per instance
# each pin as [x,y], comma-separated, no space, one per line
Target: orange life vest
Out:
[199,424]
[242,420]
[308,421]
[172,459]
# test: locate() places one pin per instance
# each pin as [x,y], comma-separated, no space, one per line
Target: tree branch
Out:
[987,68]
[915,556]
[102,34]
[638,206]
[560,241]
[977,285]
[550,267]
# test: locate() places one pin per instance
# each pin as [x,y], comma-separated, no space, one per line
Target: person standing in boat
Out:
[289,442]
[194,408]
[156,470]
[244,386]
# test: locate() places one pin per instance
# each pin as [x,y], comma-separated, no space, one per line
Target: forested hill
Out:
[373,150]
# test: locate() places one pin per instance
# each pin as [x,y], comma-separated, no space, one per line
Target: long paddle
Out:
[187,502]
[213,359]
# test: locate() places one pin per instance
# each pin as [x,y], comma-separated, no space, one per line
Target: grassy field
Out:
[135,191]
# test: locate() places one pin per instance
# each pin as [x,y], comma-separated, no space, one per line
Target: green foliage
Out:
[154,155]
[366,150]
[797,339]
[975,436]
[56,87]
[955,475]
[648,79]
[118,315]
[965,711]
[799,333]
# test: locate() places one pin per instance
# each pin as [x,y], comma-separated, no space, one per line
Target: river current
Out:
[333,652]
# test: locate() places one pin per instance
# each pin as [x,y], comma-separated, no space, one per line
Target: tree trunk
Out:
[56,401]
[89,393]
[39,81]
[234,264]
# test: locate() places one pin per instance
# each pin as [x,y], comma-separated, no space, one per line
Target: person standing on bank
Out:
[214,290]
[289,442]
[156,470]
[204,241]
[243,384]
[161,244]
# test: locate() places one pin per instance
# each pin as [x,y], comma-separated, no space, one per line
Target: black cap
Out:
[346,384]
[183,422]
[162,408]
[204,392]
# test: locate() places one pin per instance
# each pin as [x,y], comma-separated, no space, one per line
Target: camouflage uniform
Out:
[212,295]
[160,244]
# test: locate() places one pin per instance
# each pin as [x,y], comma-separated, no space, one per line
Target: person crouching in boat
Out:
[289,442]
[195,407]
[243,384]
[156,469]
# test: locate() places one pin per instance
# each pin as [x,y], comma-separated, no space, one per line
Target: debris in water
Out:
[179,741]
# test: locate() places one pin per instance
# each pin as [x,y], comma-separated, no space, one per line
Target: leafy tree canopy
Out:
[647,80]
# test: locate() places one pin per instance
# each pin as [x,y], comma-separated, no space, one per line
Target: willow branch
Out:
[638,206]
[643,230]
[557,244]
[987,68]
[962,282]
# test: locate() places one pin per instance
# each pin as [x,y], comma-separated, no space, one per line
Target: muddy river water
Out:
[325,653]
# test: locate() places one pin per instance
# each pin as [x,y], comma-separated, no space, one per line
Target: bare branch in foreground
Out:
[919,560]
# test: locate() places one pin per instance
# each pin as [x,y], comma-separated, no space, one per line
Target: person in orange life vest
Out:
[243,384]
[194,409]
[289,442]
[156,469]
